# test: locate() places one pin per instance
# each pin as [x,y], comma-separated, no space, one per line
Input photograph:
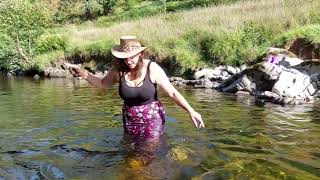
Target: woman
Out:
[138,78]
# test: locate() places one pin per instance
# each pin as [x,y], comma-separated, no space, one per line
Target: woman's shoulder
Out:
[153,64]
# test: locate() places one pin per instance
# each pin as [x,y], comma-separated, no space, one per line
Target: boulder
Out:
[205,83]
[309,67]
[206,73]
[55,72]
[291,83]
[173,78]
[231,70]
[178,153]
[277,51]
[259,77]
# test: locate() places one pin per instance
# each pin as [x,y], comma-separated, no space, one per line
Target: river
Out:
[67,129]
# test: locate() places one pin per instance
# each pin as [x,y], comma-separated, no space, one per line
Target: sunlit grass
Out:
[219,31]
[213,19]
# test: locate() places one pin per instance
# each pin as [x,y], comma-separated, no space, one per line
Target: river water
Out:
[67,129]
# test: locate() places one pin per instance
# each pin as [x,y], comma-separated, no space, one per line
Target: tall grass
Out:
[280,15]
[227,34]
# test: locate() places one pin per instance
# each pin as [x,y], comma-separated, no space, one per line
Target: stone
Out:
[242,93]
[205,83]
[231,70]
[291,83]
[206,73]
[225,73]
[310,67]
[288,62]
[36,77]
[173,78]
[178,154]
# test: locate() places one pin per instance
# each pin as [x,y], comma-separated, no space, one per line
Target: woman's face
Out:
[132,61]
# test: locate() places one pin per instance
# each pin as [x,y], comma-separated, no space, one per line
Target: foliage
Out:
[238,47]
[108,6]
[173,6]
[42,61]
[9,58]
[50,42]
[134,9]
[99,48]
[75,11]
[223,35]
[21,23]
[129,13]
[311,33]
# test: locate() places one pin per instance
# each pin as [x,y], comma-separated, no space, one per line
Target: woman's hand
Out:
[197,119]
[76,70]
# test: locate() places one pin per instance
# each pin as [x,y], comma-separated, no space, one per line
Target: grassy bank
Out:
[225,34]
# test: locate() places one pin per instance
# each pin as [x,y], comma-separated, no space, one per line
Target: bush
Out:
[50,42]
[45,60]
[239,47]
[9,58]
[22,19]
[108,6]
[21,23]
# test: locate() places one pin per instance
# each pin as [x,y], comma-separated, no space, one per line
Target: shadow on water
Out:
[65,129]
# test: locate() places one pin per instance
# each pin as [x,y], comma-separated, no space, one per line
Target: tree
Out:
[108,6]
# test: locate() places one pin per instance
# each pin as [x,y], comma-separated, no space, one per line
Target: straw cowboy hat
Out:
[129,46]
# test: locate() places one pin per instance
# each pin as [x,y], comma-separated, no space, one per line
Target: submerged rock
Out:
[178,153]
[50,171]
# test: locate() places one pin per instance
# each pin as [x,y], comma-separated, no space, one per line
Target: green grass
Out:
[233,34]
[311,33]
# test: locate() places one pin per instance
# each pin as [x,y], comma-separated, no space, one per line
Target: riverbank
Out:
[232,34]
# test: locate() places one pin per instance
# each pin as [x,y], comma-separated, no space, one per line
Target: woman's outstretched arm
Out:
[162,80]
[103,83]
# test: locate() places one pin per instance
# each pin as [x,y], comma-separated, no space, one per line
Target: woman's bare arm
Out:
[106,82]
[162,80]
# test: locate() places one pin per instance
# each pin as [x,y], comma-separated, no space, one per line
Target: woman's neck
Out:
[136,72]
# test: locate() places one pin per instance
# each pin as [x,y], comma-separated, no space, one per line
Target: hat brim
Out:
[118,54]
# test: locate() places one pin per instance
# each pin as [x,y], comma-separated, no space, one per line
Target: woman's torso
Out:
[145,91]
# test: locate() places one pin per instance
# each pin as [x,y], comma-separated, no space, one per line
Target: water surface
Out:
[66,129]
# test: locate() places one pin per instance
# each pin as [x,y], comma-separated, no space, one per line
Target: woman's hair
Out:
[123,68]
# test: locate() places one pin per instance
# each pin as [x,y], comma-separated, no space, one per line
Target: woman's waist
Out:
[148,108]
[130,103]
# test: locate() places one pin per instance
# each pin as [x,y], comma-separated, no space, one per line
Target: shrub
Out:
[238,47]
[108,6]
[43,61]
[9,58]
[50,42]
[21,23]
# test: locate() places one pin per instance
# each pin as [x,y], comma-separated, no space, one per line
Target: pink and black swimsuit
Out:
[143,113]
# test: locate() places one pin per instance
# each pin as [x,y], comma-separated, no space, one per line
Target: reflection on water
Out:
[65,129]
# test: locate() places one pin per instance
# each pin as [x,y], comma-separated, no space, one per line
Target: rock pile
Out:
[282,78]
